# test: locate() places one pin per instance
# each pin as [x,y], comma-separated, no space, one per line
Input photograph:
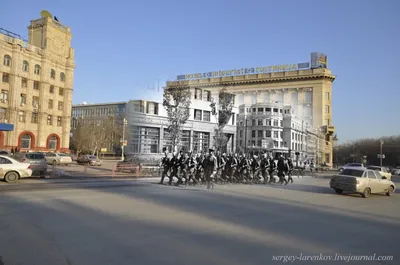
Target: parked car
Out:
[129,164]
[36,160]
[11,170]
[352,166]
[383,170]
[4,152]
[396,171]
[58,159]
[363,181]
[73,156]
[89,160]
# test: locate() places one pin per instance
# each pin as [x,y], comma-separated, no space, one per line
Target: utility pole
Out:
[123,139]
[381,156]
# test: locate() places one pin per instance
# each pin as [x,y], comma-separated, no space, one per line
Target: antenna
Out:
[45,13]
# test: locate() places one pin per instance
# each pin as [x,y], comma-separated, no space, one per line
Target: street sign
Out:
[383,156]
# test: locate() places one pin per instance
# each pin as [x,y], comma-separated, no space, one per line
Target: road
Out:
[144,223]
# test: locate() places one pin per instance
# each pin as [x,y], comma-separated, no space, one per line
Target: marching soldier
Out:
[165,165]
[264,165]
[272,167]
[210,169]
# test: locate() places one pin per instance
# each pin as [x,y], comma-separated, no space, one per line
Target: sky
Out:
[125,48]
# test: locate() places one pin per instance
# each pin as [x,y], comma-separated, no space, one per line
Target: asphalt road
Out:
[145,224]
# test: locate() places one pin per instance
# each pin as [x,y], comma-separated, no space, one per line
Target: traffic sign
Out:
[383,156]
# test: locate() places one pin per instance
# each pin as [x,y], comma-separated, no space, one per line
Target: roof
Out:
[99,104]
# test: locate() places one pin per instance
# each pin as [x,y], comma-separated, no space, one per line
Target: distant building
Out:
[98,112]
[36,86]
[148,126]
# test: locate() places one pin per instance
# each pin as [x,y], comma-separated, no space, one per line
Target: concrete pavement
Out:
[145,223]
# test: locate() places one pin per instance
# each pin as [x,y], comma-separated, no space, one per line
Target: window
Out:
[197,115]
[59,121]
[276,122]
[197,93]
[233,118]
[276,134]
[281,123]
[280,110]
[206,115]
[34,118]
[371,174]
[260,110]
[253,122]
[326,95]
[201,141]
[259,143]
[6,78]
[37,69]
[53,143]
[53,74]
[21,116]
[260,122]
[61,91]
[268,134]
[326,108]
[241,110]
[260,134]
[24,82]
[241,133]
[275,110]
[3,115]
[7,60]
[23,100]
[35,101]
[50,104]
[254,110]
[268,109]
[207,95]
[268,122]
[49,120]
[25,66]
[51,89]
[292,135]
[281,133]
[62,77]
[26,141]
[4,96]
[253,133]
[276,144]
[146,140]
[36,85]
[150,108]
[60,105]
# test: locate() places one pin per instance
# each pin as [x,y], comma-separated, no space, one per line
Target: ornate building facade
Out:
[36,86]
[307,90]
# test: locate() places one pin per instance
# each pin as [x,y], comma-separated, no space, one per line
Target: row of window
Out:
[147,140]
[205,115]
[25,67]
[277,97]
[277,144]
[202,95]
[146,107]
[264,122]
[96,112]
[34,117]
[36,84]
[35,100]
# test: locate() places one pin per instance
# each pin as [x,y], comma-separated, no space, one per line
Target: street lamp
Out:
[381,156]
[123,138]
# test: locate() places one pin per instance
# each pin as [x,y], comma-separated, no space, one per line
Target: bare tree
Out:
[222,113]
[177,102]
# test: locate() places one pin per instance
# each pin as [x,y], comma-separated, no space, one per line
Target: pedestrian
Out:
[264,165]
[272,167]
[290,170]
[281,170]
[165,164]
[211,166]
[12,151]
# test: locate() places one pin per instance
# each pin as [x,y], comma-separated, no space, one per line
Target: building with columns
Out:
[306,87]
[36,86]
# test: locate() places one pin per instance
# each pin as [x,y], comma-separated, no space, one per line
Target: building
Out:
[98,113]
[148,127]
[306,87]
[36,86]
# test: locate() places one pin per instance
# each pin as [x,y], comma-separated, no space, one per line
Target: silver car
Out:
[363,181]
[37,161]
[352,166]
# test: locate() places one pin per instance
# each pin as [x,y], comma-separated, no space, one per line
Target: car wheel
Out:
[390,190]
[338,191]
[54,163]
[366,193]
[11,177]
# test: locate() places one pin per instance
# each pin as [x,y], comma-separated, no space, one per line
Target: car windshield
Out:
[374,168]
[62,154]
[34,156]
[352,172]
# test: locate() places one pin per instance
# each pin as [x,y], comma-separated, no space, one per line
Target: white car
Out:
[352,166]
[58,159]
[11,170]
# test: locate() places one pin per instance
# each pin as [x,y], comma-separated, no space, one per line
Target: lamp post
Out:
[381,156]
[123,139]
